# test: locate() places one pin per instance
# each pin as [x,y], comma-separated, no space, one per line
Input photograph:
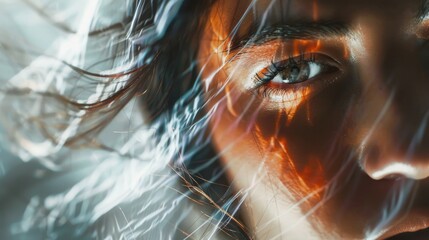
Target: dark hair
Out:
[165,83]
[172,74]
[162,86]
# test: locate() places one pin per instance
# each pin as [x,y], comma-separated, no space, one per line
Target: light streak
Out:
[132,182]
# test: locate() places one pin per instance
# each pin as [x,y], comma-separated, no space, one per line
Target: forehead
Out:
[239,18]
[314,10]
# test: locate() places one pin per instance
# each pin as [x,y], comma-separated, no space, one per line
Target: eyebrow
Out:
[303,31]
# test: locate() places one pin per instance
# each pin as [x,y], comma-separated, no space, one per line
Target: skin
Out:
[319,158]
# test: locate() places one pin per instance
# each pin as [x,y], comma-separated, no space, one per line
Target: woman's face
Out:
[319,112]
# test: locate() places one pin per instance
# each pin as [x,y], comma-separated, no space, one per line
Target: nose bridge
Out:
[395,109]
[402,69]
[403,78]
[389,145]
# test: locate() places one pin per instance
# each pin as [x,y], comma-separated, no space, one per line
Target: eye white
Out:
[277,79]
[314,69]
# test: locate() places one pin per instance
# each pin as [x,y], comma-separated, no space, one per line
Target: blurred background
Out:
[35,36]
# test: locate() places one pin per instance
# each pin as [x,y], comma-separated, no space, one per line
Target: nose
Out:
[395,142]
[384,155]
[394,112]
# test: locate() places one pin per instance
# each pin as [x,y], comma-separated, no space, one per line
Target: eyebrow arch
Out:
[303,31]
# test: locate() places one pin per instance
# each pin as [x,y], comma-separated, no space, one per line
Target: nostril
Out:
[394,177]
[379,164]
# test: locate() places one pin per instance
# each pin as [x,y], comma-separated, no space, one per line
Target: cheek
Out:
[298,150]
[310,150]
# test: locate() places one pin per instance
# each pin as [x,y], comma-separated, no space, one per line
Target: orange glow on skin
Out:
[305,46]
[346,51]
[313,170]
[315,10]
[278,121]
[301,182]
[218,30]
[307,180]
[309,115]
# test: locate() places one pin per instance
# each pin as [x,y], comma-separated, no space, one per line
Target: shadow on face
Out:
[326,102]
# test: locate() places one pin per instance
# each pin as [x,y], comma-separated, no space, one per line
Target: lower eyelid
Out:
[280,95]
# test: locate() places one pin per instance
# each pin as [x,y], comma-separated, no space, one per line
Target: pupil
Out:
[294,72]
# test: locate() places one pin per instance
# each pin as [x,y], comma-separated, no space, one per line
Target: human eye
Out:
[295,77]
